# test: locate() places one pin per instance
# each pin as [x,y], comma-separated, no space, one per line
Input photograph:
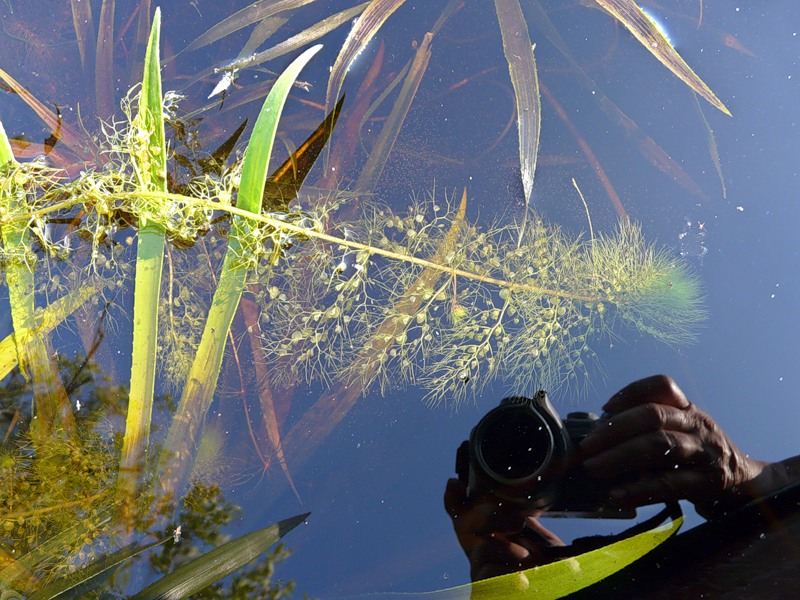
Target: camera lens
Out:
[513,443]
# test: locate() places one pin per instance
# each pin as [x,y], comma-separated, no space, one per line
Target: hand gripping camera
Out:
[523,453]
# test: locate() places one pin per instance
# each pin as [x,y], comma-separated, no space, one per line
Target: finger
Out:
[498,556]
[635,421]
[660,389]
[653,450]
[667,486]
[455,497]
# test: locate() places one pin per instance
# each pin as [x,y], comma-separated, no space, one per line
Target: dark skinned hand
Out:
[496,537]
[656,446]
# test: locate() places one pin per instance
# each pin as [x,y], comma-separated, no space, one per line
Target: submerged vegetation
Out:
[315,283]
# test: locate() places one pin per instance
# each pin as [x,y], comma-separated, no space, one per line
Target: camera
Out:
[523,453]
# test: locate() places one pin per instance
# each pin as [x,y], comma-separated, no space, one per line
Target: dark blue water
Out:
[375,488]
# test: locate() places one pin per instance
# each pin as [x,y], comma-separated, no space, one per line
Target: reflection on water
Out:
[693,239]
[376,286]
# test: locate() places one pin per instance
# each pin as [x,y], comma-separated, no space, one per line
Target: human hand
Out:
[656,446]
[496,537]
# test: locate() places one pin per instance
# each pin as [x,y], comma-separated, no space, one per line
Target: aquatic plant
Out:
[353,296]
[60,462]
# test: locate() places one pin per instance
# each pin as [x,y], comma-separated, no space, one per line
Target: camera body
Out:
[523,453]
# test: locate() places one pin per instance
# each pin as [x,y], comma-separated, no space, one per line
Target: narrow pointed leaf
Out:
[360,35]
[104,61]
[244,18]
[380,152]
[84,30]
[524,79]
[204,372]
[152,167]
[647,146]
[305,37]
[77,141]
[79,583]
[643,29]
[216,161]
[205,570]
[53,315]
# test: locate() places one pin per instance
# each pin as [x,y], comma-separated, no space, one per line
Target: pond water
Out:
[351,374]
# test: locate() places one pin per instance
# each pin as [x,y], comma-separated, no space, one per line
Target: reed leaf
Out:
[647,146]
[360,35]
[53,315]
[525,81]
[380,152]
[151,169]
[50,399]
[78,584]
[303,38]
[209,568]
[258,11]
[84,31]
[643,29]
[202,379]
[104,62]
[76,140]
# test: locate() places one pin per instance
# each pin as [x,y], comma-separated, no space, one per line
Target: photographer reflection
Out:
[651,445]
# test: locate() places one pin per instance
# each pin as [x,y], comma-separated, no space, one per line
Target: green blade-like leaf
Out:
[81,582]
[204,372]
[50,397]
[6,154]
[152,168]
[52,316]
[256,157]
[201,572]
[643,29]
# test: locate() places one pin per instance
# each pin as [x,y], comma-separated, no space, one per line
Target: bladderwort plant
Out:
[355,299]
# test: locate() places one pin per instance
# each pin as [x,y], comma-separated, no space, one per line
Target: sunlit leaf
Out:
[247,16]
[152,168]
[524,78]
[209,568]
[360,35]
[53,315]
[35,361]
[83,581]
[645,30]
[204,372]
